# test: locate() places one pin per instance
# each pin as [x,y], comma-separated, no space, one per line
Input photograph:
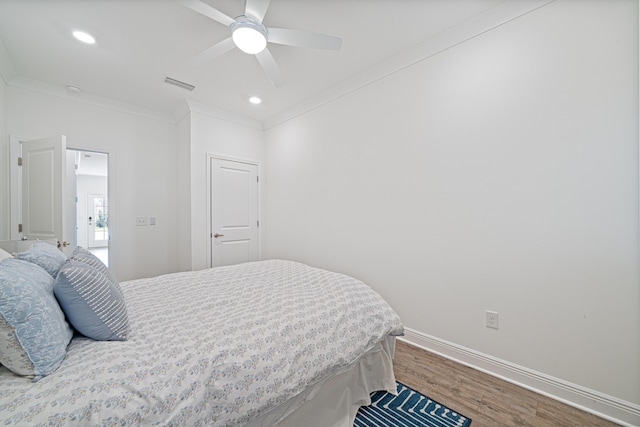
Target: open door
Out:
[45,181]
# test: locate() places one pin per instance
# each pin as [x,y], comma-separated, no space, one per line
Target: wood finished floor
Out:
[488,401]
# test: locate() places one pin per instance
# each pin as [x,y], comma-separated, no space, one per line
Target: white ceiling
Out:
[140,42]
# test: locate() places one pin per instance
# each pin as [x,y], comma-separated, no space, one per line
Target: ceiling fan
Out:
[250,35]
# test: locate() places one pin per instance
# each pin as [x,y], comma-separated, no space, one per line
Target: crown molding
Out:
[217,113]
[179,113]
[60,92]
[486,21]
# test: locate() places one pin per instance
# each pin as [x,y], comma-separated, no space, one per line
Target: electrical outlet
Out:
[141,221]
[491,319]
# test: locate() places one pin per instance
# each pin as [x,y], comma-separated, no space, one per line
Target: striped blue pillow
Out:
[93,304]
[83,255]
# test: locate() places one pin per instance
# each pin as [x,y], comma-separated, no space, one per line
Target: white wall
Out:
[204,131]
[4,172]
[183,161]
[500,174]
[142,153]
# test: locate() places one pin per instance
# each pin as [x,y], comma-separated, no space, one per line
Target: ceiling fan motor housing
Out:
[249,34]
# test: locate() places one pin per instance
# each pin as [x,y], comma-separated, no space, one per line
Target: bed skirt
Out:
[335,401]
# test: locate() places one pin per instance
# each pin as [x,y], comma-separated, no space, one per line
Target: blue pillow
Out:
[33,332]
[93,304]
[45,255]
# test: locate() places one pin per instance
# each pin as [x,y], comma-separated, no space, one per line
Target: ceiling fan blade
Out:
[256,8]
[301,38]
[208,11]
[214,51]
[270,67]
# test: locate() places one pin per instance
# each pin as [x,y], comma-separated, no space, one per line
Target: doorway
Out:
[92,202]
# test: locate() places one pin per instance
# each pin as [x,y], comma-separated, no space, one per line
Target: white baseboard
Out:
[605,406]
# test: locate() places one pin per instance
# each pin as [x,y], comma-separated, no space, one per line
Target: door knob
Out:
[218,235]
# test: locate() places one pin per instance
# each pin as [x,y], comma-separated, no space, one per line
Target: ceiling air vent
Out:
[178,83]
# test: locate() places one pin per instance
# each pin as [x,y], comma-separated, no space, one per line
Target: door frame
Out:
[209,157]
[15,187]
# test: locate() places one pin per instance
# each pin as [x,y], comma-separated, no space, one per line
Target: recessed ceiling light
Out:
[255,100]
[84,37]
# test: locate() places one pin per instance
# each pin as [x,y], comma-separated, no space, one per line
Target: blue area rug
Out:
[409,408]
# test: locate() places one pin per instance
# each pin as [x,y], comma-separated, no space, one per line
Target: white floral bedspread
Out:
[211,347]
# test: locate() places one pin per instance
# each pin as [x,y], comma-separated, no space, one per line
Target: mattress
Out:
[249,344]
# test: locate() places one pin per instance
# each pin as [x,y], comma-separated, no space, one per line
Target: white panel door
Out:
[234,212]
[44,187]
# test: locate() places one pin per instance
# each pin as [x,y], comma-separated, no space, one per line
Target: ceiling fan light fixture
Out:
[84,37]
[249,35]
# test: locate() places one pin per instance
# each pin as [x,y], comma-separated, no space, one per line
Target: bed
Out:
[267,343]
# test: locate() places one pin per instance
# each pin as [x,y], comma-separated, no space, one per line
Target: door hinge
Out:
[258,223]
[19,161]
[257,179]
[19,228]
